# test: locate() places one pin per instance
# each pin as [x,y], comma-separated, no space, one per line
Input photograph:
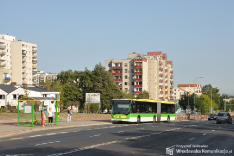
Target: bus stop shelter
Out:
[29,110]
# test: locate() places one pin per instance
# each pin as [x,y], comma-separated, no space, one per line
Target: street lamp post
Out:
[194,92]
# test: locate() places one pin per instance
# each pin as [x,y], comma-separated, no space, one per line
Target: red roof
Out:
[164,54]
[154,53]
[169,62]
[188,85]
[182,89]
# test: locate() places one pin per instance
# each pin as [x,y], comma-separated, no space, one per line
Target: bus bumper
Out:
[125,120]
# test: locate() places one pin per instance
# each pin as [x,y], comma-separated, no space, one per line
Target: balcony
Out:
[34,72]
[24,53]
[171,71]
[137,73]
[2,46]
[34,56]
[118,79]
[24,76]
[161,98]
[166,70]
[166,81]
[166,92]
[166,87]
[171,87]
[161,80]
[23,60]
[171,92]
[34,61]
[2,58]
[172,97]
[2,64]
[23,48]
[2,52]
[7,78]
[161,75]
[138,86]
[34,66]
[116,73]
[171,77]
[160,63]
[34,50]
[120,86]
[137,92]
[161,69]
[24,71]
[24,65]
[160,86]
[138,66]
[138,79]
[117,67]
[161,92]
[138,60]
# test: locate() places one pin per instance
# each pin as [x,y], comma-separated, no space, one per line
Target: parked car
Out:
[212,117]
[224,117]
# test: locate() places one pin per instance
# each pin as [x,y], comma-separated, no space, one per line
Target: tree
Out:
[143,95]
[222,102]
[26,92]
[186,99]
[128,96]
[207,89]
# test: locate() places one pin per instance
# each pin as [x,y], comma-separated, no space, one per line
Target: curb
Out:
[44,129]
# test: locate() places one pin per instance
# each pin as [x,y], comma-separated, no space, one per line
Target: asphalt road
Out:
[126,139]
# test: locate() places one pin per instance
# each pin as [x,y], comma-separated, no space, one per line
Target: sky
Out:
[198,36]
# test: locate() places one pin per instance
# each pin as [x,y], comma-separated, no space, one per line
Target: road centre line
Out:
[51,134]
[204,134]
[64,132]
[120,131]
[16,138]
[34,136]
[192,138]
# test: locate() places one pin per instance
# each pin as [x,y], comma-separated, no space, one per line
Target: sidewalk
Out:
[8,128]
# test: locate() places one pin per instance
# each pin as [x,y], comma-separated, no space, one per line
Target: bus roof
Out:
[147,100]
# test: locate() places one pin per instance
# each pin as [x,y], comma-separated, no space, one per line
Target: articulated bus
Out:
[142,110]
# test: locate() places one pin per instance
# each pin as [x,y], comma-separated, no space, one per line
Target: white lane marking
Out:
[64,132]
[74,131]
[204,134]
[213,130]
[51,134]
[16,138]
[120,131]
[97,135]
[35,136]
[192,138]
[46,143]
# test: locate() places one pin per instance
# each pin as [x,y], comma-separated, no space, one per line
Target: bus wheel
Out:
[154,119]
[138,120]
[168,118]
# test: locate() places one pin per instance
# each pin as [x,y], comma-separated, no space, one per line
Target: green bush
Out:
[1,110]
[93,108]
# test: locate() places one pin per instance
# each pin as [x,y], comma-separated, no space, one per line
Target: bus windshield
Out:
[121,106]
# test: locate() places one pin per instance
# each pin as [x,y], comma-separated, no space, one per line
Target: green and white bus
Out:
[142,110]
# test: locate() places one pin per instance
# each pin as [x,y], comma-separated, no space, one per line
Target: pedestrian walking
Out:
[42,117]
[188,115]
[50,117]
[69,113]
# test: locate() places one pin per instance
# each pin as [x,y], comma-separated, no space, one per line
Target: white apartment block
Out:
[18,61]
[151,72]
[184,88]
[42,76]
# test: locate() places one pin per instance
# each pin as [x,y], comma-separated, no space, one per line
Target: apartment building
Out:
[42,77]
[151,72]
[18,60]
[184,88]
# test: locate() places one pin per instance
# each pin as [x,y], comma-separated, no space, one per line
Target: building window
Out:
[126,89]
[2,96]
[44,95]
[132,64]
[125,70]
[109,65]
[110,71]
[132,70]
[14,96]
[125,65]
[125,83]
[133,83]
[126,77]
